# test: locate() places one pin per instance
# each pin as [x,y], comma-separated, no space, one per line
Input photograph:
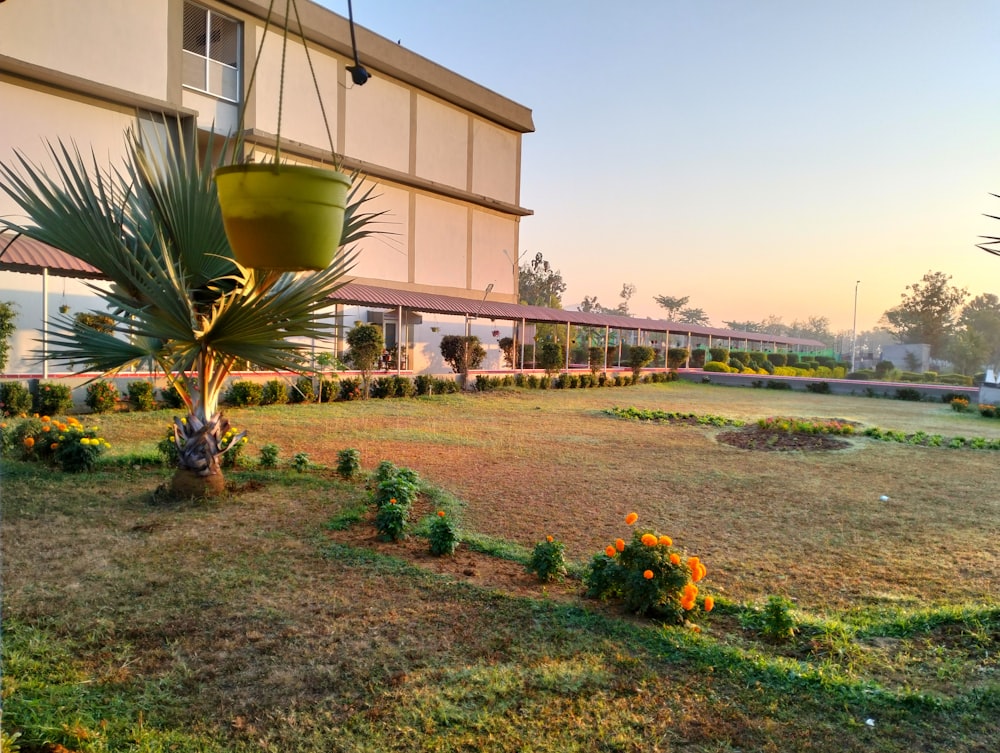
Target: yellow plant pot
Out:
[283,217]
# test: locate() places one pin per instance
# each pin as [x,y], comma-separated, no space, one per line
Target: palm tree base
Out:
[187,484]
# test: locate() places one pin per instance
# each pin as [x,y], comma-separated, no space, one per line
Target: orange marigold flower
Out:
[649,539]
[687,604]
[709,603]
[611,551]
[702,572]
[29,442]
[631,518]
[392,501]
[46,419]
[440,513]
[675,558]
[620,545]
[53,446]
[648,574]
[666,541]
[549,539]
[46,428]
[689,591]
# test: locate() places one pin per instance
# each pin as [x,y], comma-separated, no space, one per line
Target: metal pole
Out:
[854,327]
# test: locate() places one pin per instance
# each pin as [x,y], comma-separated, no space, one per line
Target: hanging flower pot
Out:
[282,217]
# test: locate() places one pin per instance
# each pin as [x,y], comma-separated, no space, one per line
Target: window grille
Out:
[211,52]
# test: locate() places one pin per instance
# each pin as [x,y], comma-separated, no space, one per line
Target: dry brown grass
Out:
[245,607]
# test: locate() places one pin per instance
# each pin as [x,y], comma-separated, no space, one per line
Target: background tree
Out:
[813,328]
[539,284]
[744,326]
[927,314]
[968,351]
[8,315]
[365,344]
[672,304]
[982,316]
[694,316]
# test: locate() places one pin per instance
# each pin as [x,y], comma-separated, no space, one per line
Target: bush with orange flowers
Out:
[649,575]
[443,535]
[548,560]
[66,444]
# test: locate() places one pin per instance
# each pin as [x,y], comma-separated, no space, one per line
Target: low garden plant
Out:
[443,535]
[649,575]
[548,560]
[102,397]
[64,443]
[348,464]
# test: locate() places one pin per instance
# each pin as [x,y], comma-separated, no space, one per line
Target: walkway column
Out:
[687,363]
[607,344]
[400,329]
[45,322]
[523,328]
[567,346]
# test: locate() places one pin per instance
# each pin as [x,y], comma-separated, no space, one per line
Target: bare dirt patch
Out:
[761,440]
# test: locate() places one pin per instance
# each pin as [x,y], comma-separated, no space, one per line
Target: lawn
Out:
[270,621]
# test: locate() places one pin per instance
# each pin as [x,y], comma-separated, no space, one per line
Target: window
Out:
[211,52]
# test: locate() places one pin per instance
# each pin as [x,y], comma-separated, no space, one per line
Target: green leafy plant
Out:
[102,397]
[300,462]
[8,319]
[391,520]
[140,396]
[274,392]
[243,393]
[66,444]
[639,356]
[15,399]
[53,399]
[303,391]
[462,354]
[443,535]
[548,560]
[269,455]
[775,622]
[365,345]
[959,404]
[348,464]
[649,575]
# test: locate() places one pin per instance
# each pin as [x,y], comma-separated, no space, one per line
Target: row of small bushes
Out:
[926,377]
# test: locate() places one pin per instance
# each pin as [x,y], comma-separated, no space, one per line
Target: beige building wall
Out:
[119,43]
[496,156]
[377,122]
[442,140]
[441,239]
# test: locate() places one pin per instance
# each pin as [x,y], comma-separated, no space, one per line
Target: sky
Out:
[758,156]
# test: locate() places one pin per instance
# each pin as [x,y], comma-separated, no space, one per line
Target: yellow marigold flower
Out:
[84,440]
[675,558]
[549,539]
[631,518]
[620,545]
[648,574]
[29,442]
[709,603]
[666,541]
[440,513]
[611,551]
[649,539]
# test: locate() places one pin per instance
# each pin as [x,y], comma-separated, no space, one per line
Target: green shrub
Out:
[77,448]
[65,444]
[53,399]
[639,356]
[269,455]
[400,484]
[300,462]
[910,376]
[348,464]
[443,536]
[719,354]
[716,366]
[403,387]
[820,388]
[862,375]
[959,404]
[233,445]
[274,393]
[595,358]
[955,380]
[140,396]
[15,399]
[424,384]
[698,358]
[350,389]
[548,560]
[774,384]
[908,393]
[791,359]
[391,520]
[172,398]
[243,393]
[677,357]
[302,391]
[102,397]
[883,369]
[445,386]
[735,363]
[777,359]
[551,357]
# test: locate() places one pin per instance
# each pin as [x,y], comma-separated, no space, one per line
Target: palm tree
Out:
[178,297]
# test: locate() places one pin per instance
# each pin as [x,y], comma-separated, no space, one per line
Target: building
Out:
[444,151]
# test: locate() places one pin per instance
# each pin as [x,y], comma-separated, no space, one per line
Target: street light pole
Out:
[854,328]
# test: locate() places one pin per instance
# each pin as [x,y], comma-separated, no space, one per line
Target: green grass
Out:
[264,621]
